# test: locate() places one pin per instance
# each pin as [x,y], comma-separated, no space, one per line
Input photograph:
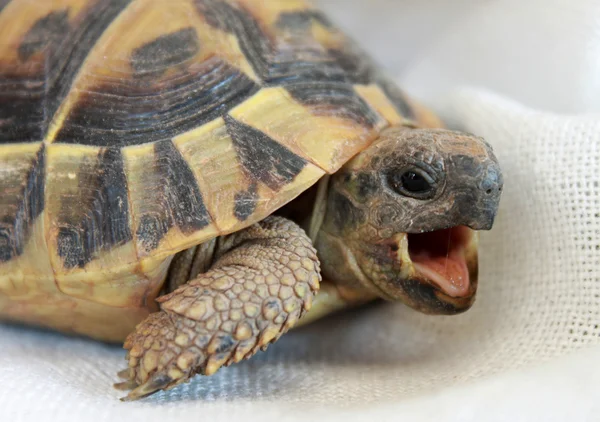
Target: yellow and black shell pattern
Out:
[133,129]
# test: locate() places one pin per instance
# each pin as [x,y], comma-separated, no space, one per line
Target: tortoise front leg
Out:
[253,294]
[333,298]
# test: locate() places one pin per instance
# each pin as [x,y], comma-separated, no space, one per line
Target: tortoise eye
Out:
[414,183]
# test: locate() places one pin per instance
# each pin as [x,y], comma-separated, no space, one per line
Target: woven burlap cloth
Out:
[526,76]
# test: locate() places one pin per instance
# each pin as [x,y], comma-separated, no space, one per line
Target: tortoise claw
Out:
[155,382]
[125,385]
[124,374]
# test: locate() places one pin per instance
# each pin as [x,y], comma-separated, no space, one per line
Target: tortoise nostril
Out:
[491,183]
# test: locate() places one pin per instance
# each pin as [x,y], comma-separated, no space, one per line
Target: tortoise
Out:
[192,176]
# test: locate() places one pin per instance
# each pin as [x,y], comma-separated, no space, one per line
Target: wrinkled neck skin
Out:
[352,252]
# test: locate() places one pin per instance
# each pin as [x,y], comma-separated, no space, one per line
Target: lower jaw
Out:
[418,286]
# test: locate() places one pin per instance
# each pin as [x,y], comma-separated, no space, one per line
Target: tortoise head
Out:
[402,217]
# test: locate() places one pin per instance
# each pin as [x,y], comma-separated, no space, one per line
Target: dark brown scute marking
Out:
[46,31]
[22,117]
[312,74]
[357,65]
[301,65]
[245,203]
[70,247]
[97,217]
[77,46]
[361,69]
[151,230]
[183,193]
[177,198]
[302,20]
[135,112]
[300,58]
[217,14]
[34,190]
[263,159]
[28,104]
[396,96]
[20,206]
[155,57]
[6,242]
[253,42]
[334,98]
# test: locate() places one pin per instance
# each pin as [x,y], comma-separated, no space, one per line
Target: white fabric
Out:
[528,350]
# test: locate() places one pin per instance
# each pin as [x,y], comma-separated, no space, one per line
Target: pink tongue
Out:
[450,273]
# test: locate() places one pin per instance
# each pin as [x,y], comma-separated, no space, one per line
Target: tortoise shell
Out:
[133,129]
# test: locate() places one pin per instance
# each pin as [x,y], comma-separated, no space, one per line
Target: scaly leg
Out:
[252,294]
[334,298]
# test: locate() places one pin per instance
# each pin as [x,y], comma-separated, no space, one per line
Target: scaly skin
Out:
[260,281]
[263,282]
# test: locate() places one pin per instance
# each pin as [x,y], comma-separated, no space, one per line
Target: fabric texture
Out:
[530,347]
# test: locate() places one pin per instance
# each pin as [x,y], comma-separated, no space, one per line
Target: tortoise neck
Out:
[338,232]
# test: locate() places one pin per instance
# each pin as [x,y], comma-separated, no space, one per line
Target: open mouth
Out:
[446,259]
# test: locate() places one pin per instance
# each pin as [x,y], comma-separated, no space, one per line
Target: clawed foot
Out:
[153,362]
[155,383]
[247,300]
[160,359]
